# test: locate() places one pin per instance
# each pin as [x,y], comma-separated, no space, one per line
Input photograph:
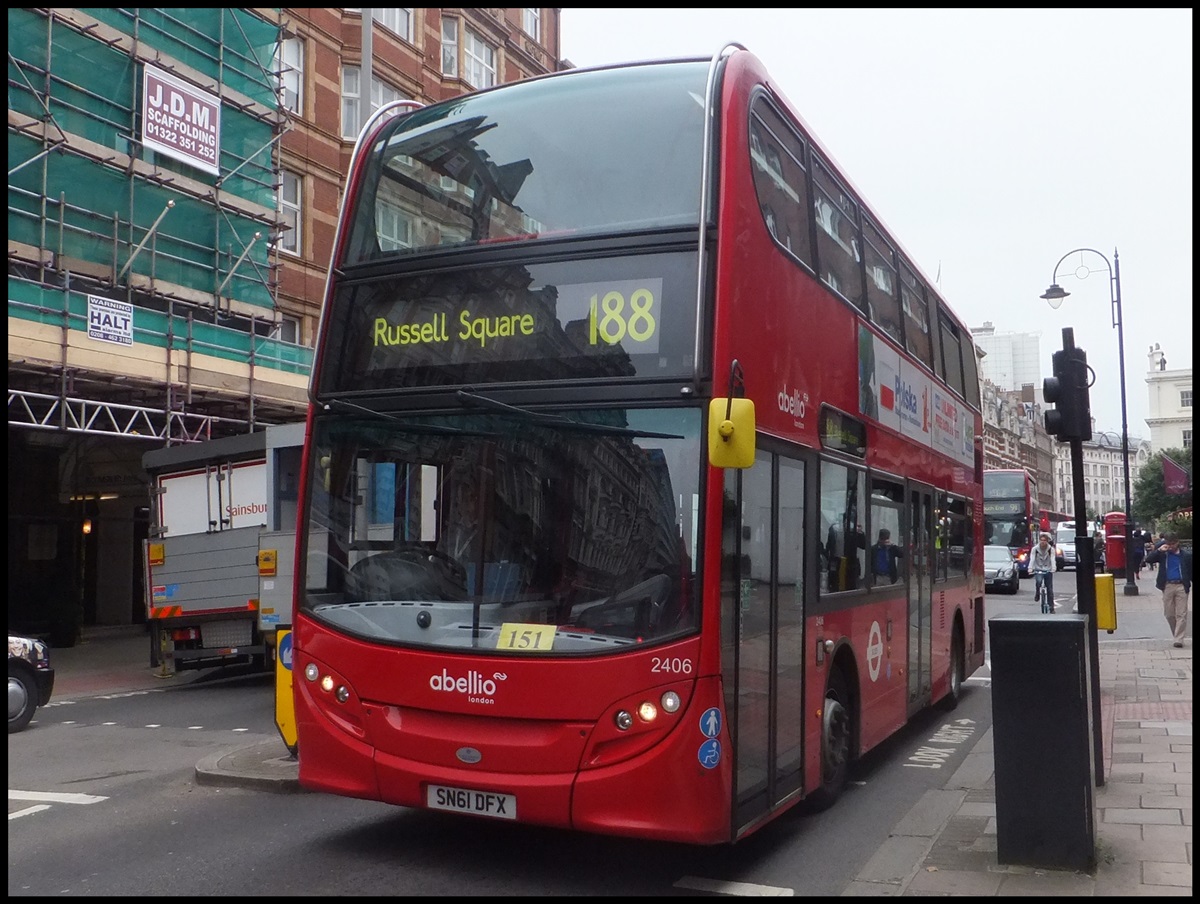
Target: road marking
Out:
[953,735]
[28,811]
[743,889]
[52,797]
[48,798]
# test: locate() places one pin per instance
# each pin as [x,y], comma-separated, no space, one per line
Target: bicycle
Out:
[1041,593]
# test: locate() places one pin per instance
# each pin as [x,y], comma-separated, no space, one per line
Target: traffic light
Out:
[1068,391]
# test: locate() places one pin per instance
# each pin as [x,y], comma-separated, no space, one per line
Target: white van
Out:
[1064,545]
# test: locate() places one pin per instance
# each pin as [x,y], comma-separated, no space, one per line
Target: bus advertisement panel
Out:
[634,502]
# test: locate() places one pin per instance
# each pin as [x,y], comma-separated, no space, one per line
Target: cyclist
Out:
[1041,566]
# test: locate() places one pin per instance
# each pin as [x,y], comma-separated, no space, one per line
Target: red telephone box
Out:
[1114,543]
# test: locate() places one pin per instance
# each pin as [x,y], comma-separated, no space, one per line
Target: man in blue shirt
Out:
[1174,579]
[883,558]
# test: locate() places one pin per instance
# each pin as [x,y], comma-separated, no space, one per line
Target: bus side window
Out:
[844,552]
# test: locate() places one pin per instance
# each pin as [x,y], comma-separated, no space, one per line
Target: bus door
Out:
[763,630]
[920,595]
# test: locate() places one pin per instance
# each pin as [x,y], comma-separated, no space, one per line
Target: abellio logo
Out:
[477,688]
[794,403]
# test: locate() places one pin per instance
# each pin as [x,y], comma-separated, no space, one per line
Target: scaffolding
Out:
[96,213]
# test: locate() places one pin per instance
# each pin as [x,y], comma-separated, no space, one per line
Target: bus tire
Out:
[836,741]
[957,671]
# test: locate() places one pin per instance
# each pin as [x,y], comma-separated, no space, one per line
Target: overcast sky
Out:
[991,143]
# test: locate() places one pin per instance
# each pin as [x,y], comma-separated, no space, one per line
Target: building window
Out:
[1187,439]
[381,93]
[1185,398]
[289,69]
[350,102]
[479,61]
[287,330]
[449,47]
[398,20]
[290,195]
[531,21]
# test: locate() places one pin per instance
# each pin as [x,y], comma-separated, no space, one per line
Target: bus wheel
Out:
[950,701]
[835,742]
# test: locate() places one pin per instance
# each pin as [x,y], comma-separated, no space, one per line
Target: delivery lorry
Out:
[218,561]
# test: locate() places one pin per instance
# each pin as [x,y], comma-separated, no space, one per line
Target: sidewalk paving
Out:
[946,845]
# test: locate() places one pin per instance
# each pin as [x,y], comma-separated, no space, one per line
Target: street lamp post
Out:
[1054,296]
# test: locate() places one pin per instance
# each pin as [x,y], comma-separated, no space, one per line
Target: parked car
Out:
[1000,569]
[30,679]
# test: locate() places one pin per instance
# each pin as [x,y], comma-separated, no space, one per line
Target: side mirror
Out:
[731,433]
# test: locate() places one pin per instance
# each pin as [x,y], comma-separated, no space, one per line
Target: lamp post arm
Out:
[1054,276]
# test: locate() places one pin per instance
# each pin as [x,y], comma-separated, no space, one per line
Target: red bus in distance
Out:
[1011,516]
[618,386]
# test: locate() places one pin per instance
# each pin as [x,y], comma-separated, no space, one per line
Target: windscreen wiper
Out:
[473,399]
[409,423]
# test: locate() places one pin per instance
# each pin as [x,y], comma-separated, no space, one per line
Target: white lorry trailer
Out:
[218,563]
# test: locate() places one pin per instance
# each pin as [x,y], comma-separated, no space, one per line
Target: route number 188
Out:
[611,318]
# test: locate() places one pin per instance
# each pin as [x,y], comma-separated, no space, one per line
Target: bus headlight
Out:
[335,701]
[635,723]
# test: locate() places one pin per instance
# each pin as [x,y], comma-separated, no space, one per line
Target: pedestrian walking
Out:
[1175,581]
[1139,556]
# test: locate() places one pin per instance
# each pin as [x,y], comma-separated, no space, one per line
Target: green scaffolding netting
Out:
[74,202]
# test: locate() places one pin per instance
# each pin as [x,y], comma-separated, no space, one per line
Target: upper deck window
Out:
[952,355]
[777,164]
[578,153]
[838,253]
[882,285]
[916,317]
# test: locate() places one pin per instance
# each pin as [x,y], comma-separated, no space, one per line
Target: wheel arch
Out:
[844,661]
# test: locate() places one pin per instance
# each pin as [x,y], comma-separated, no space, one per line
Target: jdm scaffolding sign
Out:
[180,120]
[110,321]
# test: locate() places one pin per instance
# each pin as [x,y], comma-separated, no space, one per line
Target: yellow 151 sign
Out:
[518,637]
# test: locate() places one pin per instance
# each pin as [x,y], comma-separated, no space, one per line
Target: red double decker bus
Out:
[618,383]
[1011,515]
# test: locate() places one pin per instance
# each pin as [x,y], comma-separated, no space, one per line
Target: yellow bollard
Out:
[1106,603]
